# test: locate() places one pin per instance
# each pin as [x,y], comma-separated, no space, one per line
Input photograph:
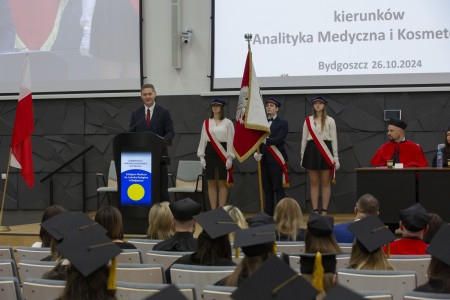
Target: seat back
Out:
[130,256]
[140,273]
[38,289]
[424,296]
[127,290]
[8,268]
[346,247]
[6,252]
[398,282]
[34,268]
[112,175]
[199,276]
[10,288]
[290,247]
[187,174]
[31,253]
[417,263]
[215,292]
[164,258]
[144,245]
[376,295]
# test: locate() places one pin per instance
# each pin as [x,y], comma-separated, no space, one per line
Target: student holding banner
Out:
[215,151]
[319,152]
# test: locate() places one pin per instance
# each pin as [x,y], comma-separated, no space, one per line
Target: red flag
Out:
[251,126]
[22,156]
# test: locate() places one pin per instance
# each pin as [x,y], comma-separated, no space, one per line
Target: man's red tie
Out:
[147,118]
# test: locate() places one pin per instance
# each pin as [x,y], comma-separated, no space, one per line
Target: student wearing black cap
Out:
[89,275]
[399,149]
[214,248]
[319,152]
[414,222]
[183,212]
[275,280]
[371,234]
[439,268]
[445,151]
[257,243]
[273,157]
[319,235]
[215,151]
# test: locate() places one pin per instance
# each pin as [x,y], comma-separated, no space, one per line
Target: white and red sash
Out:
[318,140]
[280,160]
[220,151]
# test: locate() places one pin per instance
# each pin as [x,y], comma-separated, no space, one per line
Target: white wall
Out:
[192,78]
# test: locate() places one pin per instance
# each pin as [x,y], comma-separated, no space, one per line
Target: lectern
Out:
[137,156]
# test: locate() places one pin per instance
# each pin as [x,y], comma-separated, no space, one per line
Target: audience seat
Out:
[129,256]
[6,252]
[417,263]
[34,268]
[376,295]
[214,292]
[8,268]
[32,253]
[290,247]
[40,289]
[10,288]
[425,296]
[164,258]
[140,273]
[127,290]
[346,247]
[144,245]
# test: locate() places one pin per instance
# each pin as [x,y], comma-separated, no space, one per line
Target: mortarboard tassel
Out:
[236,252]
[388,250]
[318,273]
[275,248]
[112,275]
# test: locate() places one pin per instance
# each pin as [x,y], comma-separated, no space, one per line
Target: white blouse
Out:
[328,134]
[224,133]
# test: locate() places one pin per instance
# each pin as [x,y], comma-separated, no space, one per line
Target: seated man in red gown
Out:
[399,149]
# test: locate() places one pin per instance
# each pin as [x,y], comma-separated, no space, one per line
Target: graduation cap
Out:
[439,246]
[415,217]
[371,233]
[259,219]
[340,292]
[309,260]
[255,241]
[184,209]
[170,292]
[320,225]
[216,222]
[88,249]
[66,223]
[398,123]
[274,279]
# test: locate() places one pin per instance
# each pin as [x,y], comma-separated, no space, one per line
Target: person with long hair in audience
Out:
[367,253]
[288,218]
[46,239]
[111,219]
[435,223]
[237,216]
[439,268]
[258,244]
[160,222]
[445,151]
[215,151]
[213,243]
[319,235]
[319,270]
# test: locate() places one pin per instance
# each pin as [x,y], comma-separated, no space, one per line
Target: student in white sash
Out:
[215,151]
[319,152]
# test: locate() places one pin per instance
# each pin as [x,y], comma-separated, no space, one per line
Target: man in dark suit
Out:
[154,118]
[271,170]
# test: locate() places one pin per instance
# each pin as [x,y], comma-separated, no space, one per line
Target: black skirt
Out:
[214,163]
[313,159]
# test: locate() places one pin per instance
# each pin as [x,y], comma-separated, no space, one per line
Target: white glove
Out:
[203,162]
[229,163]
[257,156]
[337,165]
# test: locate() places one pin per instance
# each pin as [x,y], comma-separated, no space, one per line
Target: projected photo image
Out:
[310,44]
[74,45]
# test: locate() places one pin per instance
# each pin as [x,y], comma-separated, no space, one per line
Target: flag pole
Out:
[5,228]
[248,37]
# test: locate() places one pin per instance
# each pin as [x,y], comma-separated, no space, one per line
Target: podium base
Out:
[4,228]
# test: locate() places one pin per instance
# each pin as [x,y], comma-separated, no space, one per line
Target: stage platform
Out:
[27,234]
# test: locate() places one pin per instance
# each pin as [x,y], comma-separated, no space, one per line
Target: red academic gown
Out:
[407,246]
[410,154]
